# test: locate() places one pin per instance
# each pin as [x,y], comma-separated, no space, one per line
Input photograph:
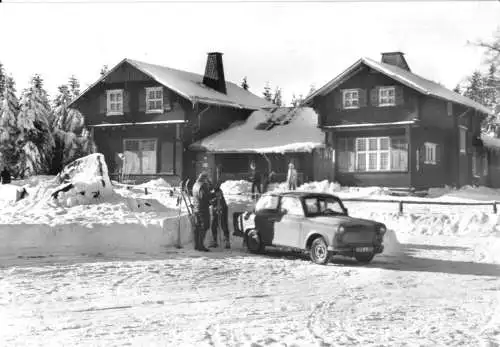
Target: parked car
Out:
[317,223]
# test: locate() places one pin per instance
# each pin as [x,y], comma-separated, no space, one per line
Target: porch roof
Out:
[491,142]
[368,125]
[280,131]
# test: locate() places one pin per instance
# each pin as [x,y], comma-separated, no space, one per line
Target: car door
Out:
[266,214]
[288,228]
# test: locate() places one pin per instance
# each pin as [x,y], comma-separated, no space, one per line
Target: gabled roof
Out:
[189,85]
[280,131]
[405,77]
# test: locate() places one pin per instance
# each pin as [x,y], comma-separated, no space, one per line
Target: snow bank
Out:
[471,223]
[10,193]
[75,238]
[236,187]
[391,243]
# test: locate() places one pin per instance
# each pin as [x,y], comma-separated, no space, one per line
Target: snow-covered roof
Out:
[281,131]
[190,86]
[405,77]
[103,125]
[368,125]
[491,142]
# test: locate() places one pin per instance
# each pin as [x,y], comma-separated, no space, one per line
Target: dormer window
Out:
[114,102]
[387,96]
[350,98]
[154,99]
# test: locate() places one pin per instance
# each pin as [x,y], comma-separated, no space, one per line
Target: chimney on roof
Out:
[396,59]
[214,72]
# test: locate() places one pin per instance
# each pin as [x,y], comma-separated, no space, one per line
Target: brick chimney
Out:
[396,59]
[214,72]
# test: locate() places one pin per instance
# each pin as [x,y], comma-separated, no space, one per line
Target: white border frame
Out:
[108,102]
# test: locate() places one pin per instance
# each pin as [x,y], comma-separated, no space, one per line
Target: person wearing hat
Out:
[201,211]
[291,177]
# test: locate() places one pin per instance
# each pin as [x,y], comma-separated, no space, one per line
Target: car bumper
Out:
[350,249]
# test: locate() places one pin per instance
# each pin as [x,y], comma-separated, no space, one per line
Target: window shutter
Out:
[126,101]
[374,96]
[362,97]
[399,97]
[337,99]
[167,106]
[142,100]
[103,103]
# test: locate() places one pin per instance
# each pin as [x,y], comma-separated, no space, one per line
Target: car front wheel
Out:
[319,251]
[364,257]
[254,242]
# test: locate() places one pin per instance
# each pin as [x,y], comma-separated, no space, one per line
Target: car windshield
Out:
[323,206]
[267,202]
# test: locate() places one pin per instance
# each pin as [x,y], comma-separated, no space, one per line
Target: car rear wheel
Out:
[319,251]
[254,242]
[364,257]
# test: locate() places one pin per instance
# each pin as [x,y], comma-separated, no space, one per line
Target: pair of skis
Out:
[184,197]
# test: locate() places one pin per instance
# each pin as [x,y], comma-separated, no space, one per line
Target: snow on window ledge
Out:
[154,111]
[114,113]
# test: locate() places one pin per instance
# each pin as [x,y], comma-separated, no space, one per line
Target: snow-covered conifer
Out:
[9,109]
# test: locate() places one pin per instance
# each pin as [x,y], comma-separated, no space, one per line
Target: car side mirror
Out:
[346,211]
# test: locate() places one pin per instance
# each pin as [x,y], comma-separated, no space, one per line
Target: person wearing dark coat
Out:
[255,178]
[201,211]
[219,215]
[5,176]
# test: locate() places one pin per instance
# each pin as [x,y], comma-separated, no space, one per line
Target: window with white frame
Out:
[114,102]
[373,154]
[154,99]
[139,156]
[350,98]
[387,96]
[463,139]
[430,153]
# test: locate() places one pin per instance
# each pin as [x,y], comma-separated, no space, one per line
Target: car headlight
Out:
[341,229]
[382,229]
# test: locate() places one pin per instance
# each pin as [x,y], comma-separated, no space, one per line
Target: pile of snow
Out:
[466,193]
[10,193]
[240,187]
[391,243]
[158,183]
[84,181]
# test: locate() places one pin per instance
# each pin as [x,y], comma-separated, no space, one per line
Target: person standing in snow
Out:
[291,177]
[5,176]
[255,179]
[201,211]
[219,217]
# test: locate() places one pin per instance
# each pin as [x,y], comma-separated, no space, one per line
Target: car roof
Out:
[303,194]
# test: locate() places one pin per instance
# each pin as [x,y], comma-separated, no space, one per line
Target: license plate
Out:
[364,249]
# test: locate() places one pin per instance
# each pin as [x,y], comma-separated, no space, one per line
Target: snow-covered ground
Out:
[437,292]
[121,281]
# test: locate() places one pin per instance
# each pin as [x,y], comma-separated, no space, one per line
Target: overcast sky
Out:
[292,45]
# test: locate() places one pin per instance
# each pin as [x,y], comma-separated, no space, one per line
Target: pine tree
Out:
[2,80]
[475,88]
[267,92]
[68,125]
[244,83]
[277,99]
[104,70]
[74,86]
[457,89]
[8,126]
[35,137]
